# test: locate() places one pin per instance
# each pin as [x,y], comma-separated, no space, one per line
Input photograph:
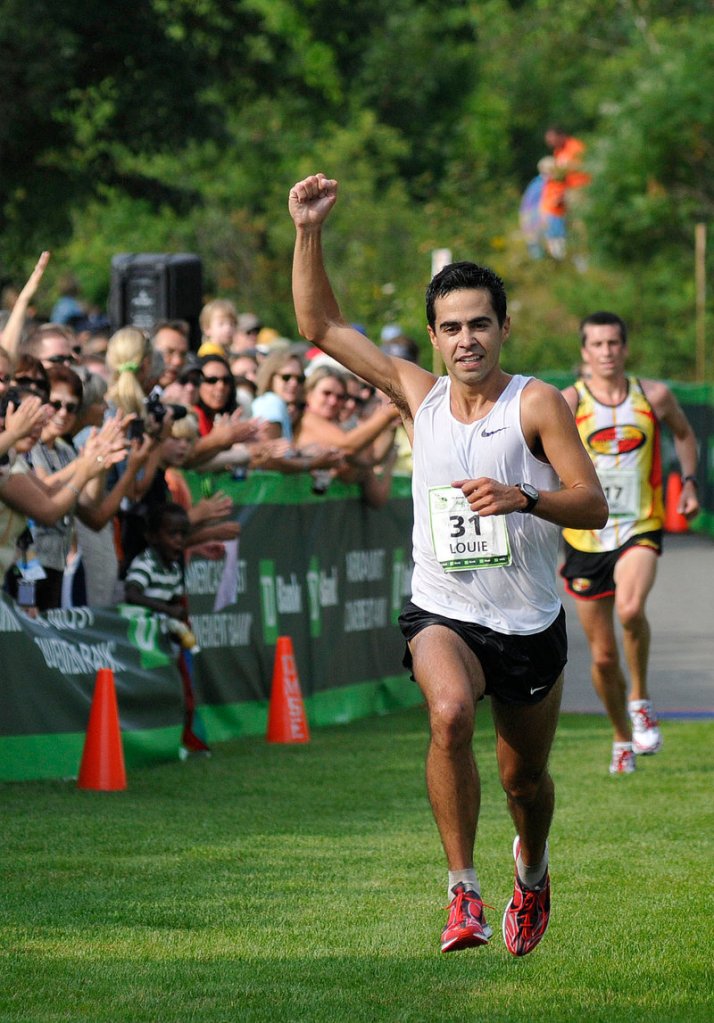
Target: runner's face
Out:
[604,351]
[467,334]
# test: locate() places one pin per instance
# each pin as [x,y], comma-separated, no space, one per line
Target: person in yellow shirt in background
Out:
[610,571]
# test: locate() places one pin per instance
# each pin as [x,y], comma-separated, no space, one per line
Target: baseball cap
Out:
[249,323]
[211,348]
[192,364]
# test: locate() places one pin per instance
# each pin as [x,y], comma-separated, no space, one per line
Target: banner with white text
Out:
[324,570]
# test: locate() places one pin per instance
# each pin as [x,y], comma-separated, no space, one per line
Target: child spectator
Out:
[155,580]
[155,577]
[218,321]
[207,518]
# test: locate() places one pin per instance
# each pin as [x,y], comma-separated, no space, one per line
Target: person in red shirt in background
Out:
[551,209]
[568,154]
[566,178]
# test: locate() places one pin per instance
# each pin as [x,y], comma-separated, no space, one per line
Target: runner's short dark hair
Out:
[466,276]
[603,319]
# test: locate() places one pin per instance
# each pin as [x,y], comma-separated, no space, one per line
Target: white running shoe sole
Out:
[646,749]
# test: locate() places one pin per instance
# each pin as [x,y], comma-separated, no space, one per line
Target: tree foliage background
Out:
[179,125]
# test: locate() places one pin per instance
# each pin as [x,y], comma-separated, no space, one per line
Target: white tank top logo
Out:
[462,539]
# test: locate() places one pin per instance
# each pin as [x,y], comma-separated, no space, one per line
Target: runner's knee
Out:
[522,784]
[631,613]
[452,723]
[605,659]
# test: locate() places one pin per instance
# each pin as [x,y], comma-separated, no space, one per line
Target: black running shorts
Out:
[518,669]
[592,576]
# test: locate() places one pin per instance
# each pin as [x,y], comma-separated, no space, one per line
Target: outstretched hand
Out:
[311,200]
[218,506]
[33,281]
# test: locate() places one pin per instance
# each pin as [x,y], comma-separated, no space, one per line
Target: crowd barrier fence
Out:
[324,570]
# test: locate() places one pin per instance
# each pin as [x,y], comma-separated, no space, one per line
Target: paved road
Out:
[681,613]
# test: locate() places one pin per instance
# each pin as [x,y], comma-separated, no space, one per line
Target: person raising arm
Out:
[498,467]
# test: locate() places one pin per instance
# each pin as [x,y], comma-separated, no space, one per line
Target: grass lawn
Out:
[307,883]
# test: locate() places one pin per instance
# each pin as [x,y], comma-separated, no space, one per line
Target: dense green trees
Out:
[180,124]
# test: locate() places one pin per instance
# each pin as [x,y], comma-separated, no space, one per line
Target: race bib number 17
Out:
[464,541]
[622,490]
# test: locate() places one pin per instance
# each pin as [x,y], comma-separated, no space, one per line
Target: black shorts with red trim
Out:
[518,669]
[592,576]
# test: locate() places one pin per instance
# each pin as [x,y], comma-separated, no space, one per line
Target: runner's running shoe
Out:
[466,926]
[191,745]
[646,736]
[623,758]
[527,914]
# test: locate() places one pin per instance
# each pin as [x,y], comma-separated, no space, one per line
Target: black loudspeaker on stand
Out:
[151,286]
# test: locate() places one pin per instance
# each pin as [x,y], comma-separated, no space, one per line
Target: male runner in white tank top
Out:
[498,467]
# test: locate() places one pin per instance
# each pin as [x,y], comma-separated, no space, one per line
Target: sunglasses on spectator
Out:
[57,360]
[287,377]
[31,383]
[337,395]
[5,378]
[69,406]
[216,380]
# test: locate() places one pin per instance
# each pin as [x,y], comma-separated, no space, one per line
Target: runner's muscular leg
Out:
[635,574]
[452,681]
[524,736]
[596,618]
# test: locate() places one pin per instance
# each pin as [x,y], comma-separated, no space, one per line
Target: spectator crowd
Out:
[98,425]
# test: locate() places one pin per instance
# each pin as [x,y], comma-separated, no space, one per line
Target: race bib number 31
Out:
[463,540]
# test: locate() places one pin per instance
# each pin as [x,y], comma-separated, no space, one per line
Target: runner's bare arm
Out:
[318,313]
[571,397]
[670,412]
[549,429]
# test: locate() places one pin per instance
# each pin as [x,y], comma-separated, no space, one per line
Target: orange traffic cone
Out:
[286,715]
[102,766]
[673,521]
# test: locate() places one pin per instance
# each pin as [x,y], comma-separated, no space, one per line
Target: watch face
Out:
[530,491]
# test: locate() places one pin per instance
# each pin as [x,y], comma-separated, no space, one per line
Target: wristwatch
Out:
[531,495]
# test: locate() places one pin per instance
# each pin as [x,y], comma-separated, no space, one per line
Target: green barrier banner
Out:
[50,665]
[324,570]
